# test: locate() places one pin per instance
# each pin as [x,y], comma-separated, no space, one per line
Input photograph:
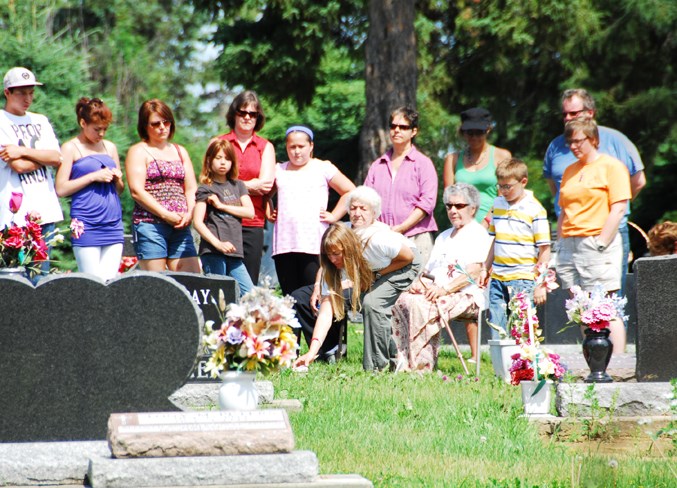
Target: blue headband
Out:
[300,128]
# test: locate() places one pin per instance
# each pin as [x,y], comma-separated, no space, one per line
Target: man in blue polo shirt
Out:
[579,103]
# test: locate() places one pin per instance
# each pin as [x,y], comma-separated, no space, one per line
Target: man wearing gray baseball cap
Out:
[28,147]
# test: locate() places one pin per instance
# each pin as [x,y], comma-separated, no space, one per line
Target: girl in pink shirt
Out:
[302,185]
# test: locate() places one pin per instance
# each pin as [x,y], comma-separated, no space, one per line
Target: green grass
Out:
[408,430]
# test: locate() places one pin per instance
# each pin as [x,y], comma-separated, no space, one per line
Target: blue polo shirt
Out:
[612,142]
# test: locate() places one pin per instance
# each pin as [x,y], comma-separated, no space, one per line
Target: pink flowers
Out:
[15,202]
[594,309]
[77,228]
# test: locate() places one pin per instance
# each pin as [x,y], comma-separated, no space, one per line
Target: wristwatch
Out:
[600,247]
[377,276]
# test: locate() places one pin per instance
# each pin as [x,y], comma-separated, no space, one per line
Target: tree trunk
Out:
[390,73]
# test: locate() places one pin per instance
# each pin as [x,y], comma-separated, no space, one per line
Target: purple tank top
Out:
[97,205]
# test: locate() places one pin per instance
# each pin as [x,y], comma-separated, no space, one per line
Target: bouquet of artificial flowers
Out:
[256,334]
[535,363]
[23,246]
[594,309]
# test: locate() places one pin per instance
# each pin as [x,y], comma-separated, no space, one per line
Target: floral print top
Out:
[164,181]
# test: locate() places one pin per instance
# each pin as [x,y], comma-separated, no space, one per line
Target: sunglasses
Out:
[158,123]
[459,206]
[399,126]
[474,132]
[573,113]
[244,113]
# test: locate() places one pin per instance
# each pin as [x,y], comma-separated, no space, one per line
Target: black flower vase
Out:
[597,349]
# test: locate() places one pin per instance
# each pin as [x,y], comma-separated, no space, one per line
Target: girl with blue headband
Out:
[302,185]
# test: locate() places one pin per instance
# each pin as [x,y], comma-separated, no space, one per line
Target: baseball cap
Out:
[20,77]
[476,119]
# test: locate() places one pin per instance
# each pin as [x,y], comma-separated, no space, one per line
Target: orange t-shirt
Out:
[587,193]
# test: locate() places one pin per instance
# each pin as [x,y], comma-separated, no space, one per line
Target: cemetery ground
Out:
[447,429]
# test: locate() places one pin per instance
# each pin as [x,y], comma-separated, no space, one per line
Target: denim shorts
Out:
[158,240]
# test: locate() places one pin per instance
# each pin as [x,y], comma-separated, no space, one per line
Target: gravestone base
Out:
[293,467]
[204,395]
[625,399]
[66,465]
[48,463]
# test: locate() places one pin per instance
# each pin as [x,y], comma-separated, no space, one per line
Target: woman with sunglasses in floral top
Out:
[476,164]
[162,183]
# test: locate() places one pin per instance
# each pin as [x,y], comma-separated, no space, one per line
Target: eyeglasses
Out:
[505,187]
[459,206]
[577,142]
[158,123]
[399,126]
[573,113]
[244,113]
[474,132]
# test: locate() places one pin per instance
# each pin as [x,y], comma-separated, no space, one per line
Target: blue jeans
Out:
[623,231]
[227,266]
[500,293]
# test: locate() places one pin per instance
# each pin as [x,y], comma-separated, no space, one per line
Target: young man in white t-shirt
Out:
[28,147]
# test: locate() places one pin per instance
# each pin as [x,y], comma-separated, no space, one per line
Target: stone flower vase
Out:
[238,391]
[501,352]
[597,349]
[15,271]
[538,404]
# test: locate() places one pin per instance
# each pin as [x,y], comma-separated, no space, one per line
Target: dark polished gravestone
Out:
[204,290]
[656,296]
[73,351]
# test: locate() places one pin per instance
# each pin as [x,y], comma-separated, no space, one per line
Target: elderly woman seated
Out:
[387,255]
[663,239]
[448,287]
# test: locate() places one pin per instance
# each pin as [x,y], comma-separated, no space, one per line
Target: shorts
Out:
[157,240]
[580,263]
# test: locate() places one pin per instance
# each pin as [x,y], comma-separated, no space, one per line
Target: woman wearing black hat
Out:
[476,164]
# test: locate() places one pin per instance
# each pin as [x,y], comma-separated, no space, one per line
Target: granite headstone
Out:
[73,350]
[204,290]
[656,298]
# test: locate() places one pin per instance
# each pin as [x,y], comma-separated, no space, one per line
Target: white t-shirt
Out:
[301,196]
[381,245]
[470,244]
[34,131]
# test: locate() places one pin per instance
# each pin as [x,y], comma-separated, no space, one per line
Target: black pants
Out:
[252,243]
[306,317]
[296,269]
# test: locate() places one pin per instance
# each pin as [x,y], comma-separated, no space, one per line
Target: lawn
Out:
[441,429]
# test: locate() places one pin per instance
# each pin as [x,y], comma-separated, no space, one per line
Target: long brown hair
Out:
[338,236]
[216,145]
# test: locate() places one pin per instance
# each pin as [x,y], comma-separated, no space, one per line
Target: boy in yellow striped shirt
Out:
[519,224]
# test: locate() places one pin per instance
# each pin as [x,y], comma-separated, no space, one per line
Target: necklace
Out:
[479,158]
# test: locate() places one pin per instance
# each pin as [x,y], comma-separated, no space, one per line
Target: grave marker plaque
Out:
[214,433]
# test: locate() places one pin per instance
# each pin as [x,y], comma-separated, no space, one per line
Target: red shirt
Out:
[249,163]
